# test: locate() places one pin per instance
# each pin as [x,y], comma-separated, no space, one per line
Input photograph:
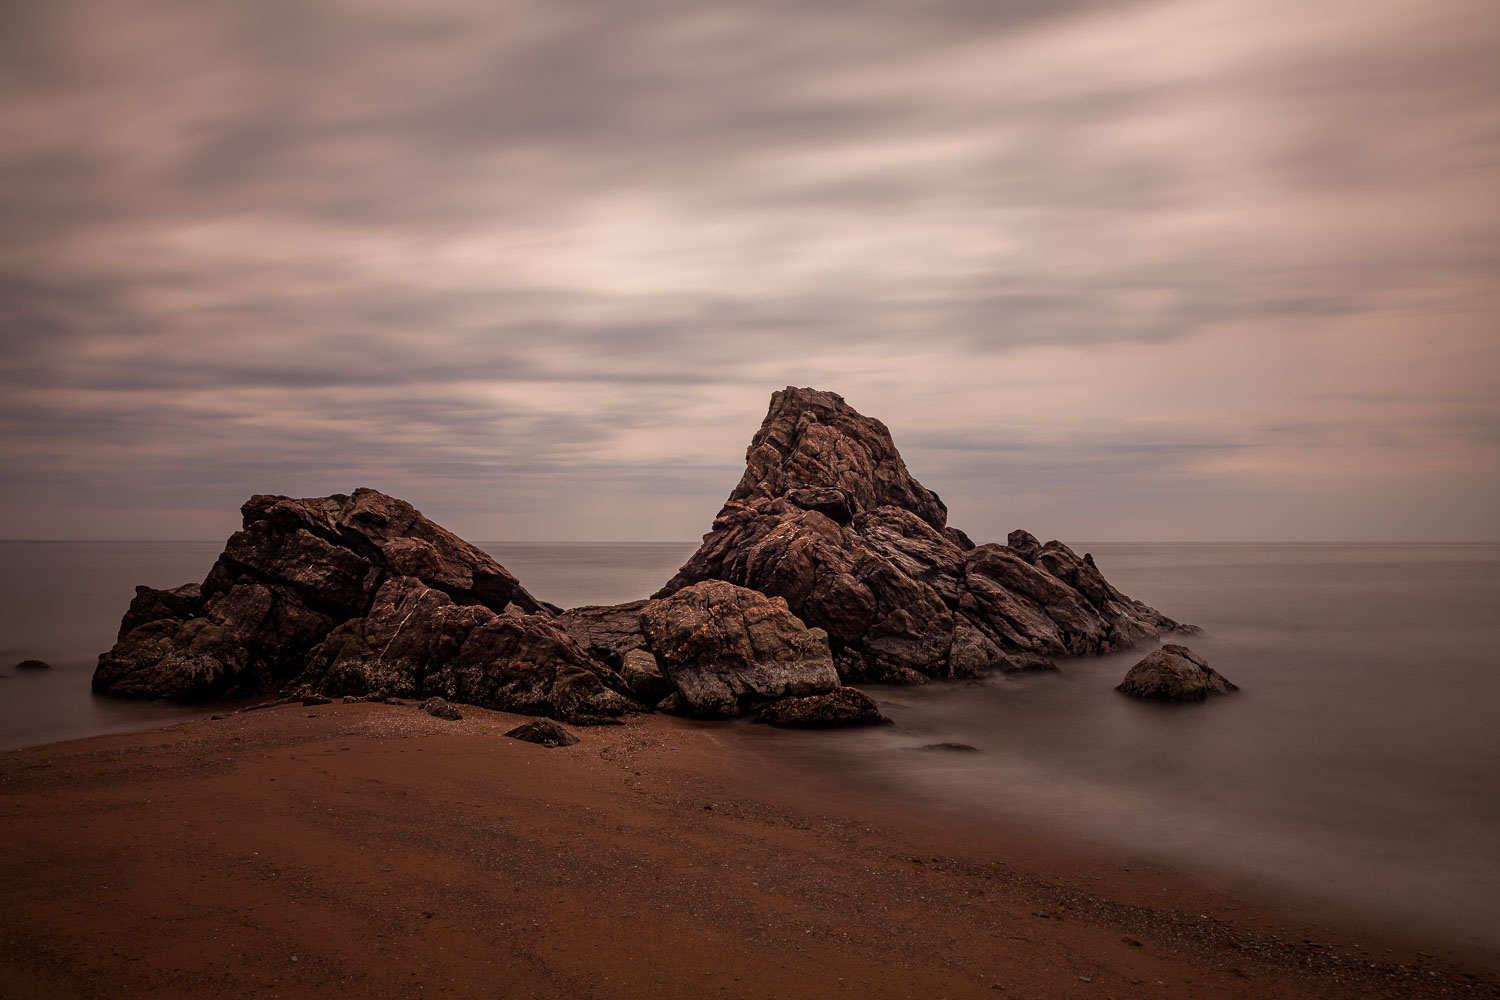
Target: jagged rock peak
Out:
[827,518]
[823,454]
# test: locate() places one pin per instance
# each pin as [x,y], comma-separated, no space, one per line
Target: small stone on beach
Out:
[543,732]
[439,708]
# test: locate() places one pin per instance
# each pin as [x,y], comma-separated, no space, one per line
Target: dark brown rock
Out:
[1174,673]
[439,708]
[417,643]
[543,732]
[712,651]
[606,632]
[150,605]
[33,665]
[813,440]
[844,706]
[725,649]
[297,570]
[644,678]
[828,518]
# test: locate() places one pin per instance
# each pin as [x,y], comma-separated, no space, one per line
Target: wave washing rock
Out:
[1174,673]
[827,517]
[845,706]
[354,595]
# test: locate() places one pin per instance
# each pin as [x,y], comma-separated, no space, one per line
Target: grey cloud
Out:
[535,246]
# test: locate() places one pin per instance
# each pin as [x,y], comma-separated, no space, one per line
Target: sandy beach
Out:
[371,850]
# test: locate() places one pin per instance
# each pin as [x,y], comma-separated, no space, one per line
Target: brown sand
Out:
[373,851]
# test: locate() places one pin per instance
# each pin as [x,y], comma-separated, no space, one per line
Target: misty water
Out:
[1358,763]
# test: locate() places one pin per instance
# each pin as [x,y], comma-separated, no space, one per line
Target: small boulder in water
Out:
[543,732]
[33,665]
[844,706]
[1174,673]
[950,747]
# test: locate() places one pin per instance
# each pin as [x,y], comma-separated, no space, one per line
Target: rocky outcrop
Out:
[1174,673]
[415,642]
[362,596]
[828,518]
[152,605]
[844,706]
[711,650]
[355,595]
[725,649]
[829,563]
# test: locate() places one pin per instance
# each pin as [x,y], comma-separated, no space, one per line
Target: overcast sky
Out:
[1190,269]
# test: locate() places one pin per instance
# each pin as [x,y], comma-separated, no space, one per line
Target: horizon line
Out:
[684,541]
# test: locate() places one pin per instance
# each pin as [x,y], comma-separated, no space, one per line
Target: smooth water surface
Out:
[1358,762]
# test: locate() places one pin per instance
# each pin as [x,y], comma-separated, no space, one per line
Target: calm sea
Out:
[1359,761]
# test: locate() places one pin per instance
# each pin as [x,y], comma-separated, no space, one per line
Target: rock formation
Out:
[354,595]
[725,649]
[714,650]
[1174,673]
[363,596]
[827,517]
[829,563]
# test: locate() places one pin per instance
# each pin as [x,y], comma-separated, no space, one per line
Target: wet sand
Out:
[373,851]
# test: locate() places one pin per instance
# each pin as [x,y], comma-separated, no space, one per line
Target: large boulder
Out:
[725,649]
[417,643]
[712,650]
[827,517]
[1174,673]
[298,570]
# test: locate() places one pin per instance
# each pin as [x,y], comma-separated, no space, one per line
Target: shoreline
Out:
[371,850]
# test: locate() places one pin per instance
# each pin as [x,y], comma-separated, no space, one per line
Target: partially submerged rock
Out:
[1174,673]
[544,732]
[33,665]
[827,517]
[844,706]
